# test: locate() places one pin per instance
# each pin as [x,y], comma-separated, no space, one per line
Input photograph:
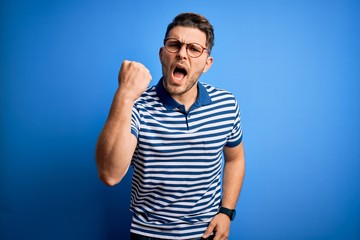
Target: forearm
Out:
[116,144]
[234,172]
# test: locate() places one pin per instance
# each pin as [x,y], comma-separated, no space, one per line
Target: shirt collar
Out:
[169,103]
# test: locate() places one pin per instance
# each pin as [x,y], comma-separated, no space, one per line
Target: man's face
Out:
[180,71]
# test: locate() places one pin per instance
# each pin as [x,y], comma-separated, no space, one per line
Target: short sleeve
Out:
[135,122]
[236,134]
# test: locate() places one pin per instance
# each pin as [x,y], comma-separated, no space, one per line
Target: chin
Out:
[174,90]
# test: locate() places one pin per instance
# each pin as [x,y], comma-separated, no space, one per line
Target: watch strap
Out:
[229,212]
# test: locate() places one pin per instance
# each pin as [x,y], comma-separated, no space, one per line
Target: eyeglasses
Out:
[194,50]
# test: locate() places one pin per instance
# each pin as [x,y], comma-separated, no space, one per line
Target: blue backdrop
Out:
[294,66]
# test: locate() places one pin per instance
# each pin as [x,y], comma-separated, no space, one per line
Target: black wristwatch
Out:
[229,212]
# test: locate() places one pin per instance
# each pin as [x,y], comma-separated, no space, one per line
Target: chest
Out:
[197,132]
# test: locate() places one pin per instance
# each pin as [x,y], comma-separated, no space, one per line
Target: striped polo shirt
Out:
[176,185]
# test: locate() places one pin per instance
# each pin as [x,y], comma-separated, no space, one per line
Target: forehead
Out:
[188,35]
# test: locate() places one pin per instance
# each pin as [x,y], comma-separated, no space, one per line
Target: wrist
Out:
[125,97]
[231,213]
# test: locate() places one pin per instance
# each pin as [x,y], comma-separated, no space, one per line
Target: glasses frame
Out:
[187,47]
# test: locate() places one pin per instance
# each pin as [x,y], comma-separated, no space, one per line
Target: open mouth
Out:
[179,73]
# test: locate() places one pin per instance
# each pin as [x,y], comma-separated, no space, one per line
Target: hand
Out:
[220,225]
[133,79]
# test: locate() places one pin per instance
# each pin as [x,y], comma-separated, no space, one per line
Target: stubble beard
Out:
[174,90]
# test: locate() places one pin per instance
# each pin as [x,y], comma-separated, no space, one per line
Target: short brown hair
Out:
[196,21]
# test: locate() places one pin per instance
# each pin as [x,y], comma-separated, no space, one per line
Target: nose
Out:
[183,51]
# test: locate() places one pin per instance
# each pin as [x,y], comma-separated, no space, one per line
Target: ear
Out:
[209,62]
[161,52]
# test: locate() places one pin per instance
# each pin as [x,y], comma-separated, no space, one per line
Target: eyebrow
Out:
[184,41]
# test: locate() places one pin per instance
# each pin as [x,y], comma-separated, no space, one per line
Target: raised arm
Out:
[116,144]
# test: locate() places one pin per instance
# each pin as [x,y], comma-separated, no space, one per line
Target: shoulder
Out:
[147,98]
[149,94]
[218,94]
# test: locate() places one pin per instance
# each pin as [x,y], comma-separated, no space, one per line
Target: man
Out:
[174,134]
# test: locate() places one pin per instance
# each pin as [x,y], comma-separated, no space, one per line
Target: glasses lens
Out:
[194,49]
[173,45]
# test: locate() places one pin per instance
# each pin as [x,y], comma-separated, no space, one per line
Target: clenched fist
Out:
[133,79]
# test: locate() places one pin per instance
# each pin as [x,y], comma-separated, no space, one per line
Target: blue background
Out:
[294,67]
